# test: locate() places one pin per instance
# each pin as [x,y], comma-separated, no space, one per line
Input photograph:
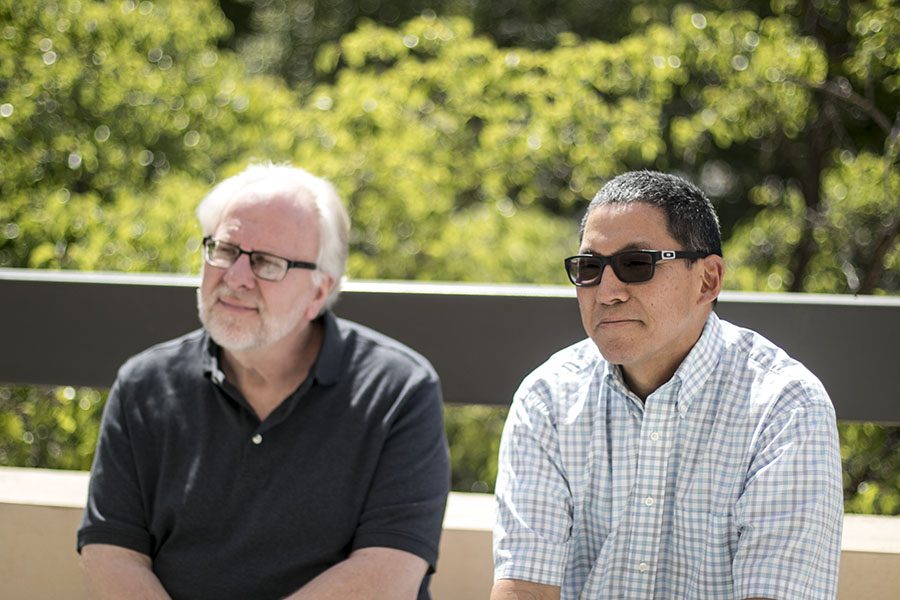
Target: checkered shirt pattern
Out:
[726,483]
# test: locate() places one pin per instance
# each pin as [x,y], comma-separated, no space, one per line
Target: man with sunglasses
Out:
[278,451]
[671,455]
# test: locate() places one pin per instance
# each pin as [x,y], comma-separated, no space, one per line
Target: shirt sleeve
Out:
[790,513]
[534,504]
[405,505]
[114,513]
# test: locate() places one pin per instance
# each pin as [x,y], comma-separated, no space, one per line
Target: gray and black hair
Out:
[268,180]
[690,215]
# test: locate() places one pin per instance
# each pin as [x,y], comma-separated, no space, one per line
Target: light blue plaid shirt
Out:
[726,484]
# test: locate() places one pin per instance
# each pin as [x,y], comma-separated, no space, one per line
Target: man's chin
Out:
[613,351]
[235,342]
[232,337]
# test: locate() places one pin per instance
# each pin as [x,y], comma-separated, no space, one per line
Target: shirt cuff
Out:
[536,561]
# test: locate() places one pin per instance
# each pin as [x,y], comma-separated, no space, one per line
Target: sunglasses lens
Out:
[633,267]
[584,270]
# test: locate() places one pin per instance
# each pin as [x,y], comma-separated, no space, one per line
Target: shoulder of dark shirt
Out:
[182,354]
[375,348]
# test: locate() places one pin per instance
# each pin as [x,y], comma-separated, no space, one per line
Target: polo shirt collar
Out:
[327,368]
[210,360]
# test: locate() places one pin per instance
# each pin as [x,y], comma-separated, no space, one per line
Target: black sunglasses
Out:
[266,266]
[630,266]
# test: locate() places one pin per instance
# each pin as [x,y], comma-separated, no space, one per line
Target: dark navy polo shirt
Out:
[227,506]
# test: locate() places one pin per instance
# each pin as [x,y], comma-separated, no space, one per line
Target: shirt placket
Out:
[256,455]
[649,496]
[254,434]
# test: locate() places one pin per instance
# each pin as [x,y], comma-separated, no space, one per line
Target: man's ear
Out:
[322,290]
[713,274]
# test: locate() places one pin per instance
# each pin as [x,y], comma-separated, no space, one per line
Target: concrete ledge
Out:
[41,509]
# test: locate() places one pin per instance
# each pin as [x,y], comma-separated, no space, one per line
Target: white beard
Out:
[250,332]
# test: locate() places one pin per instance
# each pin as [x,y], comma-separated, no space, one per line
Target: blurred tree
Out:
[114,119]
[54,428]
[819,160]
[715,124]
[725,97]
[126,132]
[474,434]
[871,459]
[283,36]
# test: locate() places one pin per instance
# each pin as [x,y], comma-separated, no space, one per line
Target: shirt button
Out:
[643,567]
[648,500]
[654,436]
[256,439]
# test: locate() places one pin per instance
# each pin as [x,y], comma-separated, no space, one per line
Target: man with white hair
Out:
[278,451]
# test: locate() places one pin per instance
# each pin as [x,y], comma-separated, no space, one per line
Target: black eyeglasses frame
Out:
[210,243]
[615,262]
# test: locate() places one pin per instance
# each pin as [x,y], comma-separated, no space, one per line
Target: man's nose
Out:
[239,274]
[611,288]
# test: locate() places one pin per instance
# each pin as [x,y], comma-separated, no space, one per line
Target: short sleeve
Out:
[790,513]
[404,508]
[114,513]
[534,504]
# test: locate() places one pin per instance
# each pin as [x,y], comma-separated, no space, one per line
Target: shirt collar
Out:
[700,363]
[210,360]
[691,374]
[613,379]
[327,369]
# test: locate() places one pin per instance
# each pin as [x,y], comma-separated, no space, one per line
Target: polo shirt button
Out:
[643,567]
[648,500]
[256,439]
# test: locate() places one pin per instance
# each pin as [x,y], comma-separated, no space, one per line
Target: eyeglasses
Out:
[630,266]
[266,266]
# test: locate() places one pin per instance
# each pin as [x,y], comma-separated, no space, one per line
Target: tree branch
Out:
[872,271]
[844,91]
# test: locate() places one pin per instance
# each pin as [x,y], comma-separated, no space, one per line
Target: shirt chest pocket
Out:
[703,548]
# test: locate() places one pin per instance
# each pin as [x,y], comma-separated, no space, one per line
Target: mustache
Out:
[223,292]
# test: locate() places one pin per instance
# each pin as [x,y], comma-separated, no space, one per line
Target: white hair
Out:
[268,180]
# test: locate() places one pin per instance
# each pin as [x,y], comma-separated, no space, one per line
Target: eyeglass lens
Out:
[265,266]
[630,267]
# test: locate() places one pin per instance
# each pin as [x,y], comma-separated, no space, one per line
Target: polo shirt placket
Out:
[260,438]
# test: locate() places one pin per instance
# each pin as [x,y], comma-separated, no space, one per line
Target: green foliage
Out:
[861,197]
[286,37]
[871,457]
[49,428]
[750,78]
[877,54]
[115,118]
[474,434]
[808,113]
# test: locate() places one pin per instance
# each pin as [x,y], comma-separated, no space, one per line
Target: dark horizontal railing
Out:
[76,328]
